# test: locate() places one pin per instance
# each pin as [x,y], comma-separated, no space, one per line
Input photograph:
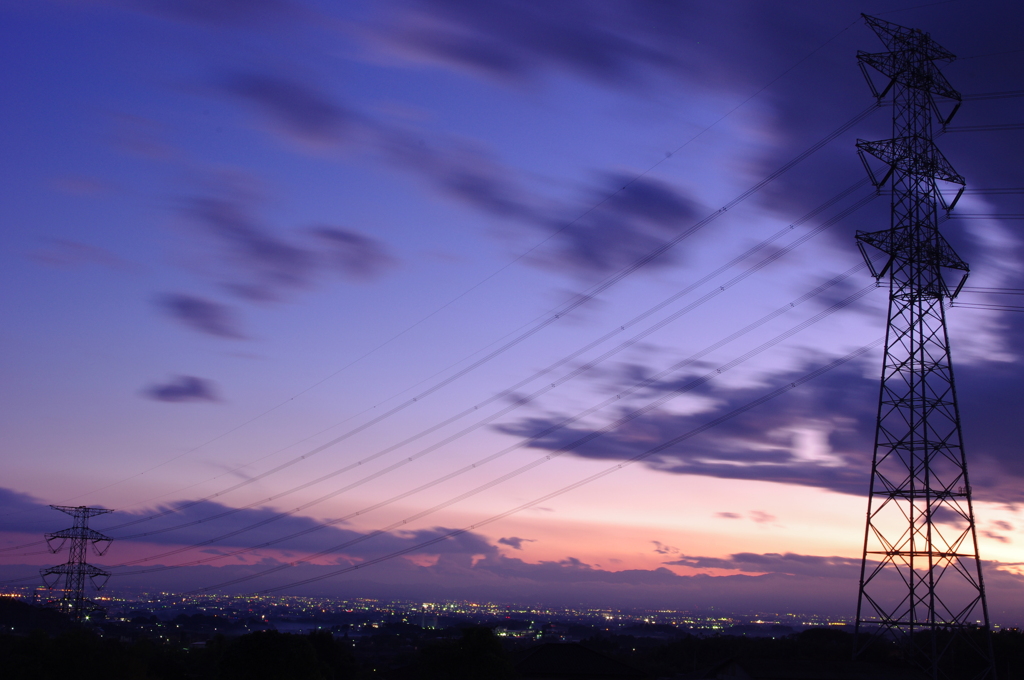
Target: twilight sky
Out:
[299,286]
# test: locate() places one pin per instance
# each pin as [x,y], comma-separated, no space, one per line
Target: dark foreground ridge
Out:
[39,644]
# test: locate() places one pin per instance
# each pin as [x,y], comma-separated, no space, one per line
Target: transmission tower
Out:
[73,602]
[921,581]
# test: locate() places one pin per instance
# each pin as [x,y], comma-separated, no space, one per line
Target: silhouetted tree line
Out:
[39,644]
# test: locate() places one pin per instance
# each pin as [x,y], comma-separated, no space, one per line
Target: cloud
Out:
[616,221]
[663,549]
[631,217]
[297,109]
[460,171]
[761,444]
[258,265]
[353,255]
[761,517]
[778,563]
[201,314]
[211,524]
[468,566]
[515,542]
[183,388]
[271,265]
[728,515]
[516,40]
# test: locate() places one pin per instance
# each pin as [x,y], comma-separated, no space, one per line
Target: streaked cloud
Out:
[201,314]
[184,388]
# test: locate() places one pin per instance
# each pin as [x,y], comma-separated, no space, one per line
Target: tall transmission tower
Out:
[921,580]
[73,602]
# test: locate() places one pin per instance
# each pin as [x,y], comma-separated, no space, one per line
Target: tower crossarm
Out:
[900,38]
[83,533]
[72,568]
[937,250]
[915,156]
[81,510]
[926,76]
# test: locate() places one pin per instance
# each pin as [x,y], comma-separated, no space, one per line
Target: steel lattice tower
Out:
[74,602]
[921,580]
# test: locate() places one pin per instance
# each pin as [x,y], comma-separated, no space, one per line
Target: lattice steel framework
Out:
[921,580]
[74,572]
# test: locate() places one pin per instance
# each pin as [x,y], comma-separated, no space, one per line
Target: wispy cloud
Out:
[257,263]
[201,314]
[184,388]
[760,444]
[297,109]
[515,542]
[353,255]
[777,563]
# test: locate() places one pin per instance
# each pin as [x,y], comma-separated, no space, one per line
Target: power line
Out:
[692,359]
[772,257]
[683,389]
[587,480]
[998,127]
[994,291]
[1008,94]
[990,306]
[492,274]
[984,216]
[576,302]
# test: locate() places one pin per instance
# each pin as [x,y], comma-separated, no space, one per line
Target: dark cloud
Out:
[183,388]
[354,255]
[776,563]
[271,265]
[619,219]
[618,44]
[663,549]
[461,172]
[728,515]
[211,524]
[467,566]
[631,217]
[297,108]
[258,265]
[945,515]
[996,537]
[623,217]
[738,48]
[758,444]
[515,542]
[21,512]
[201,314]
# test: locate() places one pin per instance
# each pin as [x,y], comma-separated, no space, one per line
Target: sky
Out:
[512,300]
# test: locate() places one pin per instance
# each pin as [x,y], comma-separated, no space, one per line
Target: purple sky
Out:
[289,281]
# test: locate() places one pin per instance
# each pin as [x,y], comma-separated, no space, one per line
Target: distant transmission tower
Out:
[921,579]
[74,602]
